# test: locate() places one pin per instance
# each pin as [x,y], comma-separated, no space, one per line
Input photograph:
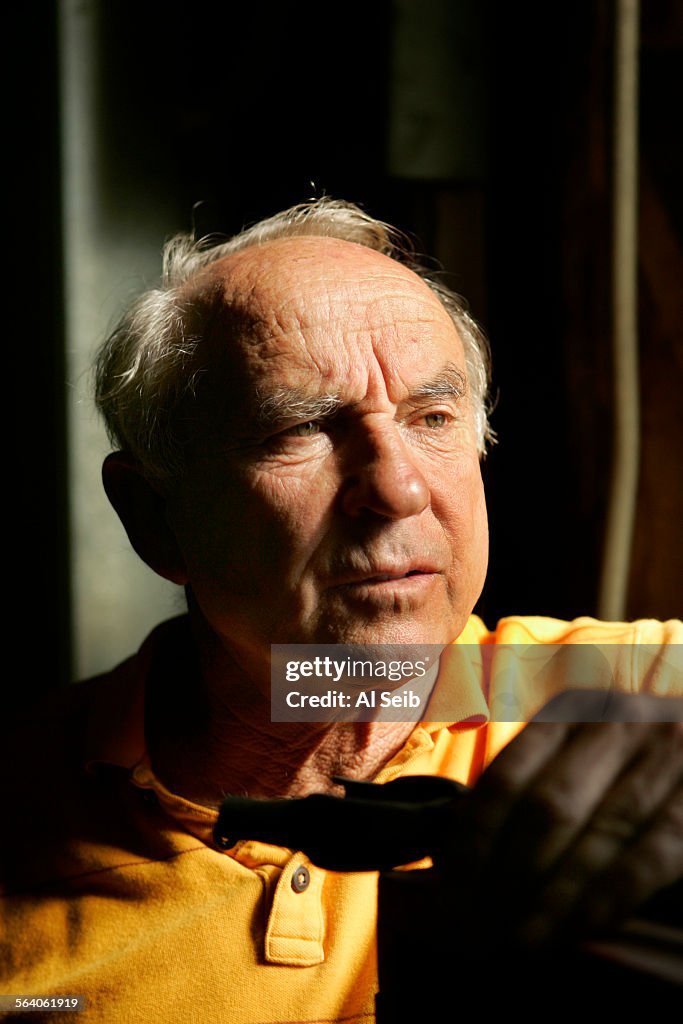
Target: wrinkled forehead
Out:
[321,317]
[309,310]
[312,270]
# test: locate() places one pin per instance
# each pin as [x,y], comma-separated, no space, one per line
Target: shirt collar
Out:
[458,700]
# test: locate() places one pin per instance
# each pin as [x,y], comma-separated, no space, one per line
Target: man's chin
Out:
[394,629]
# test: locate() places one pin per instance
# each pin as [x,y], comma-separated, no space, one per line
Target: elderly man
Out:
[299,415]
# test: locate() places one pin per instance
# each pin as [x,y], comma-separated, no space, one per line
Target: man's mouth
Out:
[385,576]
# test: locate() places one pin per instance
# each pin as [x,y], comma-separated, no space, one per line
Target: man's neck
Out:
[209,734]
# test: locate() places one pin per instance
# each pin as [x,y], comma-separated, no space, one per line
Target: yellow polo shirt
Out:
[111,887]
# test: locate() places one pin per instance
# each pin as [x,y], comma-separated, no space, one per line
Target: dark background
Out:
[246,109]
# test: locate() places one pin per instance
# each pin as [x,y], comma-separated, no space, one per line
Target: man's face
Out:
[336,495]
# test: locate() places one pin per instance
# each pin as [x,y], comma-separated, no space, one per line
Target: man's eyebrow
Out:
[291,404]
[288,405]
[451,382]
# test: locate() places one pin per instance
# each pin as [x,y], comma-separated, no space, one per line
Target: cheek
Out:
[211,527]
[479,557]
[262,525]
[289,515]
[466,522]
[478,514]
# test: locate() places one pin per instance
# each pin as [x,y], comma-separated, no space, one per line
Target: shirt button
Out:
[301,878]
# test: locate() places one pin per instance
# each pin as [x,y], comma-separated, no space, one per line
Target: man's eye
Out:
[307,429]
[435,419]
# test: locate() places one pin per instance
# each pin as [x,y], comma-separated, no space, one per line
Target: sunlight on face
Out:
[336,495]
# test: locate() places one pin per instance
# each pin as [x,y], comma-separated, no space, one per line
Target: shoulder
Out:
[535,658]
[538,629]
[64,776]
[45,740]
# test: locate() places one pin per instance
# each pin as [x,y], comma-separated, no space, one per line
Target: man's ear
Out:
[142,510]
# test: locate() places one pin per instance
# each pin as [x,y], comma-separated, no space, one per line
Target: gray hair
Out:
[147,368]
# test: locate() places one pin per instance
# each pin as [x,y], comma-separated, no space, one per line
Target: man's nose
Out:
[383,477]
